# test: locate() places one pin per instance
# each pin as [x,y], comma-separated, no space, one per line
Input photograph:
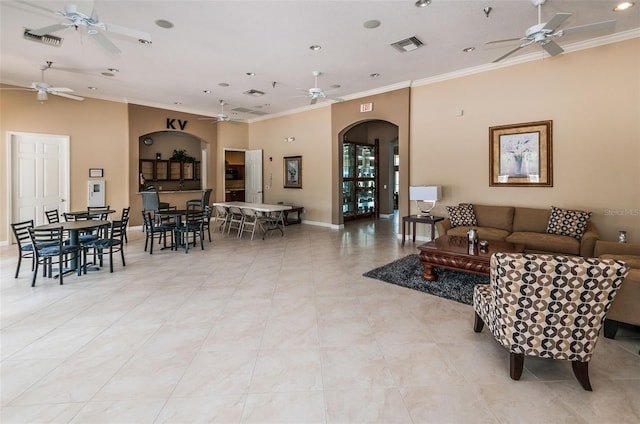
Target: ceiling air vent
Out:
[254,93]
[48,39]
[258,112]
[241,109]
[408,44]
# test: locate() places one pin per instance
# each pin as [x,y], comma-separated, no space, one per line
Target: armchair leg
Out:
[516,364]
[478,324]
[610,328]
[581,371]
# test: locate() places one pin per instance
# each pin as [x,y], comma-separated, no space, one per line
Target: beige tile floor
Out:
[281,330]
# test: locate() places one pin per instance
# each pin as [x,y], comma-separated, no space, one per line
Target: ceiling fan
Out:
[544,32]
[43,89]
[316,93]
[82,14]
[221,117]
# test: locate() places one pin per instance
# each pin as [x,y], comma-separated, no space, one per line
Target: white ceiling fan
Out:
[544,32]
[43,89]
[316,93]
[82,14]
[221,117]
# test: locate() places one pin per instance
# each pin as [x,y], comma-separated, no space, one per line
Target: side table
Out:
[429,219]
[294,209]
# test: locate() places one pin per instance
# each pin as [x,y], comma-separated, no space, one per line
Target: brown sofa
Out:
[523,225]
[626,305]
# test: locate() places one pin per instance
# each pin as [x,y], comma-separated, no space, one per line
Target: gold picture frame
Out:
[520,155]
[293,172]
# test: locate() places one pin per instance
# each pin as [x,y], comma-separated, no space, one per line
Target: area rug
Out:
[407,272]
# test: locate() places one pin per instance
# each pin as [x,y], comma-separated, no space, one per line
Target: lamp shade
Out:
[429,193]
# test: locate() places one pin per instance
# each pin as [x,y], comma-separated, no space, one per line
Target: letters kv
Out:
[171,124]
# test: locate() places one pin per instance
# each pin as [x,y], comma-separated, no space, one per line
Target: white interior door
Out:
[253,176]
[39,175]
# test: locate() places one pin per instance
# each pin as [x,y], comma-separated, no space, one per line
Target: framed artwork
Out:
[96,172]
[293,172]
[520,155]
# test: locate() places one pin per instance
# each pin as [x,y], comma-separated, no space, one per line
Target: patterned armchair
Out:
[547,306]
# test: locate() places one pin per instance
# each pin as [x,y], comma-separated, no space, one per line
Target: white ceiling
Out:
[215,42]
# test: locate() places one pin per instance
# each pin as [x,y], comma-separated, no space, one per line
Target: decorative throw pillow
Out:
[567,222]
[462,215]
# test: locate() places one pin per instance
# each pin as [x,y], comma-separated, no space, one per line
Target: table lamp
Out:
[425,194]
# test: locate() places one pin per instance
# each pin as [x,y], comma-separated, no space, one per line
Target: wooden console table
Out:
[294,209]
[430,219]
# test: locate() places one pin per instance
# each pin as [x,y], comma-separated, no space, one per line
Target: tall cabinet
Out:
[359,180]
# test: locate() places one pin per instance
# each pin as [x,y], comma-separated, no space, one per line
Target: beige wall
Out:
[98,139]
[593,98]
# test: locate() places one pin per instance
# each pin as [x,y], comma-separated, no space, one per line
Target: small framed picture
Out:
[96,172]
[293,172]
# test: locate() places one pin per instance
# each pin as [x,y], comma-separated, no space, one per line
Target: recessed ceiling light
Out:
[223,84]
[623,6]
[163,23]
[335,86]
[113,70]
[374,75]
[251,74]
[107,74]
[315,47]
[254,93]
[206,91]
[142,41]
[423,3]
[468,49]
[177,103]
[373,23]
[92,88]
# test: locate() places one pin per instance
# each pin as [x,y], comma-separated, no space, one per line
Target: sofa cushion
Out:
[531,220]
[541,242]
[567,222]
[632,260]
[462,215]
[500,217]
[484,233]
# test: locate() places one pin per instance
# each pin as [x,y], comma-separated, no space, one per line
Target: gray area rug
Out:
[407,272]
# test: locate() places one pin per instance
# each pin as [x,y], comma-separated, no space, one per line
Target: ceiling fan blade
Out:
[552,47]
[503,41]
[589,27]
[139,35]
[68,96]
[556,21]
[105,43]
[510,53]
[60,89]
[48,29]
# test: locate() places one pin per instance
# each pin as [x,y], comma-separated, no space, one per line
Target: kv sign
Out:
[172,122]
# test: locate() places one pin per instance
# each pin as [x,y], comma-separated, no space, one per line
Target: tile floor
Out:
[281,330]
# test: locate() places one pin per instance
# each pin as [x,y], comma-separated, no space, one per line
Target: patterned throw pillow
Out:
[462,215]
[567,222]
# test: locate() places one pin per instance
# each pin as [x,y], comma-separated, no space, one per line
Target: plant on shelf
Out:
[182,155]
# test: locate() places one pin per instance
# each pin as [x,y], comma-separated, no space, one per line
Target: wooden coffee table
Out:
[455,252]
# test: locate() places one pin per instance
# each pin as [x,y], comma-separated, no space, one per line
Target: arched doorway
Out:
[369,173]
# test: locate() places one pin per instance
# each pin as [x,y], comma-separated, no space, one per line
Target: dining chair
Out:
[206,221]
[220,217]
[25,247]
[50,248]
[113,242]
[202,202]
[151,201]
[125,218]
[251,219]
[235,217]
[85,236]
[52,216]
[153,229]
[98,212]
[194,224]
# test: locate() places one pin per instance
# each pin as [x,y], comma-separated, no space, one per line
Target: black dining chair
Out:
[153,229]
[125,217]
[53,217]
[202,202]
[113,242]
[194,224]
[85,236]
[50,248]
[25,247]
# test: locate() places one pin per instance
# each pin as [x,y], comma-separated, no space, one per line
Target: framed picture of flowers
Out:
[520,155]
